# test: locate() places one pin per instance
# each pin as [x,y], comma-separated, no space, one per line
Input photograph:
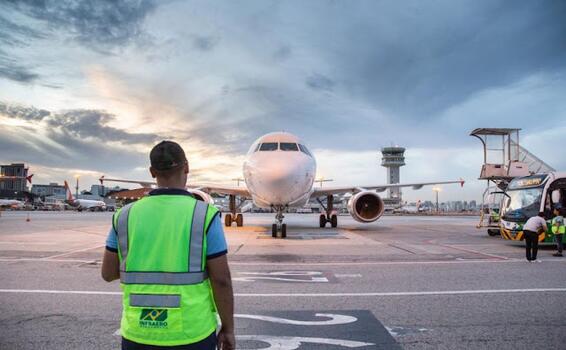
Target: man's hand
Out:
[226,340]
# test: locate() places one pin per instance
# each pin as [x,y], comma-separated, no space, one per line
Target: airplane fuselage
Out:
[279,171]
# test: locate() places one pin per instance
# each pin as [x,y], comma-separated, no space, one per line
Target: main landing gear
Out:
[231,217]
[279,225]
[329,216]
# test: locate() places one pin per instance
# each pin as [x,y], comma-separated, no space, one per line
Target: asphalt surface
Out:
[401,282]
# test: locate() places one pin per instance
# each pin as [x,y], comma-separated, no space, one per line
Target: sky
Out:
[88,87]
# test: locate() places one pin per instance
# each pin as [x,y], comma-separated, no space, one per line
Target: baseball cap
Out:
[167,155]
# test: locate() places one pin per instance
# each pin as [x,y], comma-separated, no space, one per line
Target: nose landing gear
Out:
[279,225]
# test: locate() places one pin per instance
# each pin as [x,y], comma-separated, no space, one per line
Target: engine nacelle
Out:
[366,206]
[201,195]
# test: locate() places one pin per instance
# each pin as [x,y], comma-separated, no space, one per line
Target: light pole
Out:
[77,187]
[436,190]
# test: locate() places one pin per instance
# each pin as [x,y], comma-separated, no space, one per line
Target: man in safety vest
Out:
[169,251]
[558,229]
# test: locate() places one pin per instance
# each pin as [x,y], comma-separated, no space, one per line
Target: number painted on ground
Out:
[293,343]
[334,319]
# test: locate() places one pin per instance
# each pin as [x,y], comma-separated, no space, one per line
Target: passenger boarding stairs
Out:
[504,159]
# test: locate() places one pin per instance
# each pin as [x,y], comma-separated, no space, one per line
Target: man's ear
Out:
[152,172]
[186,169]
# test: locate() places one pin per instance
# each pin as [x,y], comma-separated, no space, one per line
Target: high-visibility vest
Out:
[167,298]
[560,230]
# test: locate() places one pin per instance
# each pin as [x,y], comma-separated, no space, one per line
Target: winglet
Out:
[101,180]
[462,182]
[29,178]
[69,193]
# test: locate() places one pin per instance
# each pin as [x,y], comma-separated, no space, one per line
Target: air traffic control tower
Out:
[393,158]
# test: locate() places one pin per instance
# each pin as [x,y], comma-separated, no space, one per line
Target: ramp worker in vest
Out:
[169,252]
[558,229]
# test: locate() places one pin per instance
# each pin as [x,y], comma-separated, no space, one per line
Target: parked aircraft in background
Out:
[83,204]
[11,203]
[279,173]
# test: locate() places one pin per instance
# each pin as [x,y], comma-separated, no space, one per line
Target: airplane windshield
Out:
[305,150]
[268,146]
[288,146]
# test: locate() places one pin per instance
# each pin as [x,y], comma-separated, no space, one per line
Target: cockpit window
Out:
[268,146]
[288,146]
[257,147]
[305,150]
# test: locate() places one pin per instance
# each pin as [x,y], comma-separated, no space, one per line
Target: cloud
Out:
[205,43]
[319,82]
[78,123]
[105,23]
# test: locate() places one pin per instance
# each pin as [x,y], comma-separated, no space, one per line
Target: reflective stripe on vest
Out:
[197,236]
[122,232]
[155,300]
[171,278]
[195,274]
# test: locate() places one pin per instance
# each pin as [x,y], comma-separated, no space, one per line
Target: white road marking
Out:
[293,343]
[256,278]
[73,252]
[369,294]
[334,319]
[285,276]
[50,260]
[342,275]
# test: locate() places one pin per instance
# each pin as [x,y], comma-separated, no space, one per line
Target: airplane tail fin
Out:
[69,193]
[29,178]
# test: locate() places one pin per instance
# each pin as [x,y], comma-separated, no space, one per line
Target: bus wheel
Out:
[493,232]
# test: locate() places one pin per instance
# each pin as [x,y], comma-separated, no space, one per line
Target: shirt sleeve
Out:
[215,241]
[112,241]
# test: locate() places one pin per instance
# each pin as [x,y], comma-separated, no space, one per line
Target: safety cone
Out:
[28,219]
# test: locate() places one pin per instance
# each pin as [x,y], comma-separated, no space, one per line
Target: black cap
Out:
[167,155]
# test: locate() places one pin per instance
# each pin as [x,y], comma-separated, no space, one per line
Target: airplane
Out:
[279,172]
[11,203]
[83,204]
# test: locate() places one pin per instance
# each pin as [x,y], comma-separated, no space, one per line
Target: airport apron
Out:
[167,298]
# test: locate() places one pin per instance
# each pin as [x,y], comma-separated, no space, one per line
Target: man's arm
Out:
[219,274]
[110,266]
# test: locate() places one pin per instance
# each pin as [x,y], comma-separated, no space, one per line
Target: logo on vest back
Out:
[153,318]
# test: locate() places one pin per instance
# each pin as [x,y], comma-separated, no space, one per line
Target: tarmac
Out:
[399,283]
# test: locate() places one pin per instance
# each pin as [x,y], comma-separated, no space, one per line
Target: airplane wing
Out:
[205,187]
[327,191]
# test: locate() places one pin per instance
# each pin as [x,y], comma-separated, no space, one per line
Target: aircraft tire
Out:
[322,220]
[334,220]
[274,230]
[239,220]
[228,220]
[284,231]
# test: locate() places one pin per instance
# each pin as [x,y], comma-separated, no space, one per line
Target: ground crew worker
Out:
[558,229]
[169,251]
[532,228]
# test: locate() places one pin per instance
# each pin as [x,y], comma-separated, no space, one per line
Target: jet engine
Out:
[201,195]
[365,206]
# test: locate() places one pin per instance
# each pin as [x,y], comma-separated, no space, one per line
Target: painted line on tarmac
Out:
[73,252]
[371,294]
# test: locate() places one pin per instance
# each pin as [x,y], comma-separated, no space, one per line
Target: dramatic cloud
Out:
[347,77]
[100,22]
